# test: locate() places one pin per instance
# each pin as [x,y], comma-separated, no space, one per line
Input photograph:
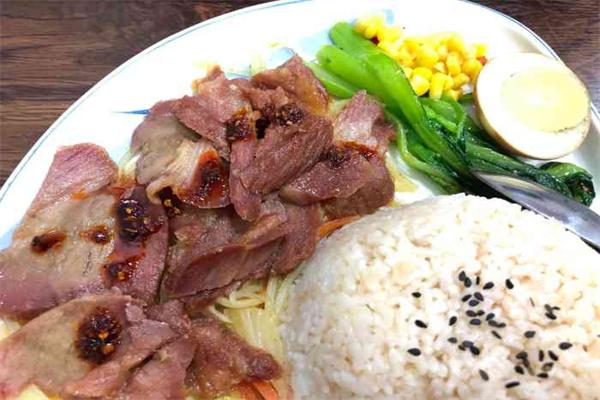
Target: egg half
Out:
[533,105]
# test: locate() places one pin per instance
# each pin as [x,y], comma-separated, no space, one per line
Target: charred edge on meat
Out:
[98,234]
[337,156]
[289,114]
[363,150]
[238,127]
[134,225]
[98,336]
[121,271]
[44,242]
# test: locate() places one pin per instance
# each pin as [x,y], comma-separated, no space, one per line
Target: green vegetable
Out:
[334,85]
[578,180]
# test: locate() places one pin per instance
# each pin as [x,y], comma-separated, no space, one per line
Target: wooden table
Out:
[53,51]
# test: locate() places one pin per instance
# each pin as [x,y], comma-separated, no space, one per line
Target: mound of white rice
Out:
[370,316]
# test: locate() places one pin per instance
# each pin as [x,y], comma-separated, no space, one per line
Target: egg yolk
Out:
[548,100]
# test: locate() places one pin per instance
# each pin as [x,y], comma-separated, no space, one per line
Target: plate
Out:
[108,112]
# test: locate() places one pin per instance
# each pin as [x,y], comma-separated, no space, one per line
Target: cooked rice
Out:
[351,318]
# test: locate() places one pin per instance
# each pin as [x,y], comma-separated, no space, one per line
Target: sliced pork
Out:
[299,82]
[376,193]
[200,264]
[163,377]
[69,241]
[341,173]
[216,101]
[223,359]
[352,168]
[287,151]
[71,342]
[170,156]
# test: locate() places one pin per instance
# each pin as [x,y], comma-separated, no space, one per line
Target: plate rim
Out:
[273,4]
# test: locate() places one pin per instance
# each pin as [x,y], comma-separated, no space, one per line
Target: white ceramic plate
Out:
[166,70]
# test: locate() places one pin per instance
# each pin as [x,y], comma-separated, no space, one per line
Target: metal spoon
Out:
[574,216]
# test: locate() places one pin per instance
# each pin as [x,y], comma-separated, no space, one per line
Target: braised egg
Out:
[533,105]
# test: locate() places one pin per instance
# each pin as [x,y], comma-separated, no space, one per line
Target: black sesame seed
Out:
[526,364]
[547,367]
[531,302]
[478,296]
[488,286]
[512,384]
[509,284]
[473,303]
[480,313]
[548,308]
[453,340]
[477,280]
[462,276]
[465,297]
[556,308]
[461,347]
[521,355]
[519,370]
[552,355]
[467,343]
[416,294]
[420,324]
[543,375]
[415,352]
[496,334]
[452,320]
[550,316]
[475,321]
[467,282]
[501,325]
[565,346]
[490,316]
[541,355]
[529,334]
[475,350]
[471,313]
[484,375]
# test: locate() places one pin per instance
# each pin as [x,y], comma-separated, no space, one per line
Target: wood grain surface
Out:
[53,51]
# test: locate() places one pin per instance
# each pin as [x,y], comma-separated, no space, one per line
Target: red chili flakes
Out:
[44,242]
[98,336]
[98,234]
[121,271]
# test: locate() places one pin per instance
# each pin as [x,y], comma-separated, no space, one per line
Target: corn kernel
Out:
[456,43]
[419,84]
[440,67]
[480,50]
[438,81]
[389,33]
[423,72]
[442,51]
[407,72]
[460,80]
[405,58]
[472,68]
[427,56]
[453,93]
[390,48]
[412,45]
[453,63]
[449,84]
[368,26]
[469,52]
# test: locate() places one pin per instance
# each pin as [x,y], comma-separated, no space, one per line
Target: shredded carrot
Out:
[328,227]
[266,390]
[247,392]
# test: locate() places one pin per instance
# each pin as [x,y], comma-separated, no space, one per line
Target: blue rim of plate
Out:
[14,175]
